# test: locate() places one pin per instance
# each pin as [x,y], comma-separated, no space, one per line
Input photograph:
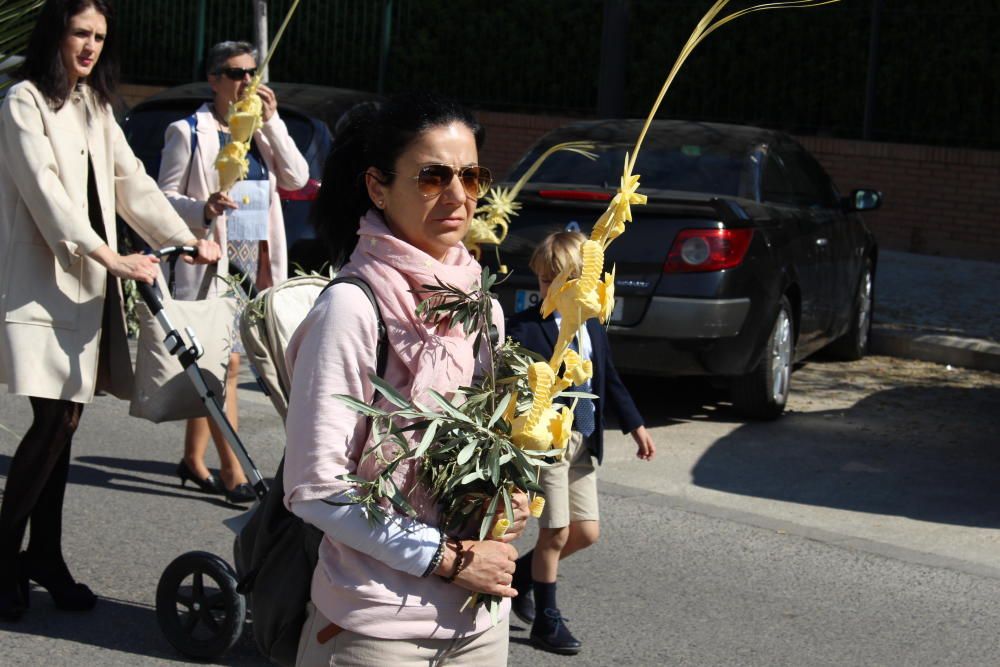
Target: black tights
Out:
[36,482]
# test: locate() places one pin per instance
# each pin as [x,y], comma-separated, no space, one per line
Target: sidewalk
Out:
[938,309]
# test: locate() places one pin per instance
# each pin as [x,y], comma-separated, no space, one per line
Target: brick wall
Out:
[938,200]
[133,93]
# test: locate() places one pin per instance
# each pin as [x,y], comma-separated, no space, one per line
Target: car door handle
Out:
[822,242]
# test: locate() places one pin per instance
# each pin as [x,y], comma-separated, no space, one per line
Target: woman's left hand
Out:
[208,252]
[269,101]
[519,503]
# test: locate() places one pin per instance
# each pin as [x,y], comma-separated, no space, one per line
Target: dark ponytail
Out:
[373,134]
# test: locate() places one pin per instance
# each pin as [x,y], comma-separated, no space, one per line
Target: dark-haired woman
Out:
[66,171]
[399,192]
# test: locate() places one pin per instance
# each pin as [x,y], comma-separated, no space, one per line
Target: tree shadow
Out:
[135,630]
[891,453]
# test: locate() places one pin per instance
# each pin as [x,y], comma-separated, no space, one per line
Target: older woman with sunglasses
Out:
[398,195]
[246,221]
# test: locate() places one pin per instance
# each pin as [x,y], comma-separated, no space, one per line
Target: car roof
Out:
[324,102]
[665,134]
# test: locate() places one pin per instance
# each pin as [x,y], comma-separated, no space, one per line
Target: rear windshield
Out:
[684,167]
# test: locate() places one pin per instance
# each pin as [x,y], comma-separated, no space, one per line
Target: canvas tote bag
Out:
[162,390]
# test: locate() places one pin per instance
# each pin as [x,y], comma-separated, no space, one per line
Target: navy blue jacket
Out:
[538,335]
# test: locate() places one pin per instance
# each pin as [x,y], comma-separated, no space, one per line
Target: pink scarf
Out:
[438,357]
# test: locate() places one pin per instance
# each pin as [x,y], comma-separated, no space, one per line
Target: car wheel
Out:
[853,345]
[763,392]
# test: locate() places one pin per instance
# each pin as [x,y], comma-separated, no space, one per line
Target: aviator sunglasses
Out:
[432,179]
[237,73]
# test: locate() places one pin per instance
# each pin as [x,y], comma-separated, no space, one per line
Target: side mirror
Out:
[863,200]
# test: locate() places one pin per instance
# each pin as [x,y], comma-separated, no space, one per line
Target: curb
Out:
[954,350]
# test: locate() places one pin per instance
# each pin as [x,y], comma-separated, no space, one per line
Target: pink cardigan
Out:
[188,193]
[336,345]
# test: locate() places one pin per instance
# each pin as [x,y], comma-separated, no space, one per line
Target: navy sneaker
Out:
[551,634]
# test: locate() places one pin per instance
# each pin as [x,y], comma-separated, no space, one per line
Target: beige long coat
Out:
[189,183]
[52,294]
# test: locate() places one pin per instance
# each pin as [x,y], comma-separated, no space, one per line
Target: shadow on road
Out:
[668,401]
[927,452]
[135,630]
[154,478]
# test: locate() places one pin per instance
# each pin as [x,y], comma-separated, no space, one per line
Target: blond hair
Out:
[558,252]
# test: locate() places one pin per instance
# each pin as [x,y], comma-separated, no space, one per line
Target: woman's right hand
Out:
[217,204]
[488,569]
[135,267]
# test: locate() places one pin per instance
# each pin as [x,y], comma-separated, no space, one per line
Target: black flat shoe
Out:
[551,634]
[54,577]
[240,494]
[209,485]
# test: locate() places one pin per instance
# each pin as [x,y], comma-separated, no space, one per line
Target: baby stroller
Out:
[199,606]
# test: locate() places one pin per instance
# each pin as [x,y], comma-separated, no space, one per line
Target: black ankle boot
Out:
[54,576]
[523,605]
[550,633]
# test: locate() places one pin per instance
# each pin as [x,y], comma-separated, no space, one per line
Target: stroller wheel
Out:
[197,605]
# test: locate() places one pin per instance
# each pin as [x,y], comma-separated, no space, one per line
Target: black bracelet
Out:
[460,553]
[438,557]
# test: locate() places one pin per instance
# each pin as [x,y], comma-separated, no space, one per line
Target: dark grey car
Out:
[745,260]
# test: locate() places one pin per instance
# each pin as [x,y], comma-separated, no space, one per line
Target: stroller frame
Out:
[200,620]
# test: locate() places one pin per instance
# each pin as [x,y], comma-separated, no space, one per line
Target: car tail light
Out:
[707,250]
[308,192]
[575,195]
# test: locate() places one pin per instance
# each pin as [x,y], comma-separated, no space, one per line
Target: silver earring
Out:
[381,203]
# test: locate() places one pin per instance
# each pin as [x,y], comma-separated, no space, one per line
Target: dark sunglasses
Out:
[432,179]
[237,73]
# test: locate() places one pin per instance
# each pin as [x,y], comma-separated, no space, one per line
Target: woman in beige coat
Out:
[253,235]
[66,171]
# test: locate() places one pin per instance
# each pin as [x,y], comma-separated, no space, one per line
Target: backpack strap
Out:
[382,347]
[192,122]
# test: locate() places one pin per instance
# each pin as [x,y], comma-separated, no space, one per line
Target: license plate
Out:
[527,298]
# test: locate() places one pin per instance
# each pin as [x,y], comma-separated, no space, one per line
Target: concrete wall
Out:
[938,200]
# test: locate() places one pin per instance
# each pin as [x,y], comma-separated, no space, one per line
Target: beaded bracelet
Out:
[459,560]
[438,557]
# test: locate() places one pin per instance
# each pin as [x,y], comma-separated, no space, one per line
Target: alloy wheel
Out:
[781,356]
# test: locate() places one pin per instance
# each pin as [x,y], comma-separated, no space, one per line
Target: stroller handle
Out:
[150,293]
[178,250]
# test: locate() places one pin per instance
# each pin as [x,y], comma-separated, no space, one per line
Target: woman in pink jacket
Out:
[247,221]
[398,194]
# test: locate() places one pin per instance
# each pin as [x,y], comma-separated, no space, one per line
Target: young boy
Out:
[570,520]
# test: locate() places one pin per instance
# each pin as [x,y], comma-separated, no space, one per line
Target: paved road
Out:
[862,528]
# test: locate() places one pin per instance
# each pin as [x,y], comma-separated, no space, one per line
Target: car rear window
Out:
[683,167]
